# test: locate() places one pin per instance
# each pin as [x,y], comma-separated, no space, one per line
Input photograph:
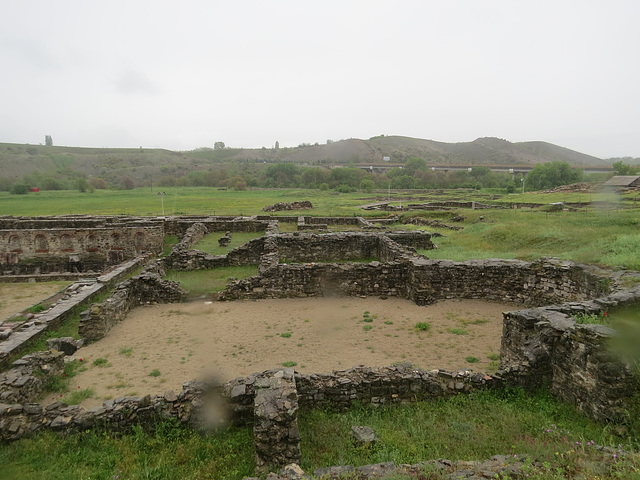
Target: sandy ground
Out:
[159,347]
[15,297]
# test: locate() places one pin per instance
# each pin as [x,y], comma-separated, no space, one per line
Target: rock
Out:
[334,472]
[377,469]
[170,396]
[60,422]
[67,345]
[292,471]
[363,435]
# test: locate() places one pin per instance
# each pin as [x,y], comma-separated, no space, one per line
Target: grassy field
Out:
[608,238]
[463,428]
[213,201]
[177,201]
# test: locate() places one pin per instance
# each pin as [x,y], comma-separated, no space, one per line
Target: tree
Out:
[127,183]
[277,145]
[367,185]
[621,168]
[282,174]
[19,189]
[414,164]
[82,185]
[218,146]
[48,141]
[552,174]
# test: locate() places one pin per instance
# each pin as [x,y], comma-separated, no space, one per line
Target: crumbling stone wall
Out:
[280,206]
[193,235]
[148,287]
[17,334]
[178,225]
[426,281]
[541,282]
[29,376]
[275,427]
[546,347]
[305,248]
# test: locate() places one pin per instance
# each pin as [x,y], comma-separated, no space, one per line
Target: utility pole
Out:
[161,195]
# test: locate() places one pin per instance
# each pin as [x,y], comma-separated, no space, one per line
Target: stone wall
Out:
[275,427]
[46,250]
[21,332]
[270,400]
[180,224]
[546,347]
[426,281]
[148,287]
[29,376]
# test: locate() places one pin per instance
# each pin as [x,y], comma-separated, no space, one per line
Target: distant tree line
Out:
[415,174]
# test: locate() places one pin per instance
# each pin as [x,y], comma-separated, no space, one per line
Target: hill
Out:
[144,165]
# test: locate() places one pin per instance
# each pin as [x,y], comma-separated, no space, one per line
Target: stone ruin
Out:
[541,345]
[282,206]
[74,244]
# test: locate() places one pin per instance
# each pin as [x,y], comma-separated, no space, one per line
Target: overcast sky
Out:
[182,75]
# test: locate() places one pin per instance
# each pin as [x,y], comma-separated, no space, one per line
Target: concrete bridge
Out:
[516,170]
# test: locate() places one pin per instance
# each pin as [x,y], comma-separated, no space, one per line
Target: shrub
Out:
[19,189]
[423,326]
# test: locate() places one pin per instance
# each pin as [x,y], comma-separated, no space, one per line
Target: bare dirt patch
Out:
[15,297]
[159,347]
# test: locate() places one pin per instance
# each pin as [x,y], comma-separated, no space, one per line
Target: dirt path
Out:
[15,297]
[157,348]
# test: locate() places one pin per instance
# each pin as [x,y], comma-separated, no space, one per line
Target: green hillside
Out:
[61,167]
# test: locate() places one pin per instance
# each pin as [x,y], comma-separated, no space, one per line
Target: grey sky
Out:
[182,75]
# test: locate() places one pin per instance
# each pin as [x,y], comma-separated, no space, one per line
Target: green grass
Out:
[471,427]
[209,243]
[100,362]
[457,331]
[126,351]
[155,373]
[465,427]
[289,364]
[608,238]
[202,282]
[37,308]
[74,398]
[178,201]
[171,452]
[170,241]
